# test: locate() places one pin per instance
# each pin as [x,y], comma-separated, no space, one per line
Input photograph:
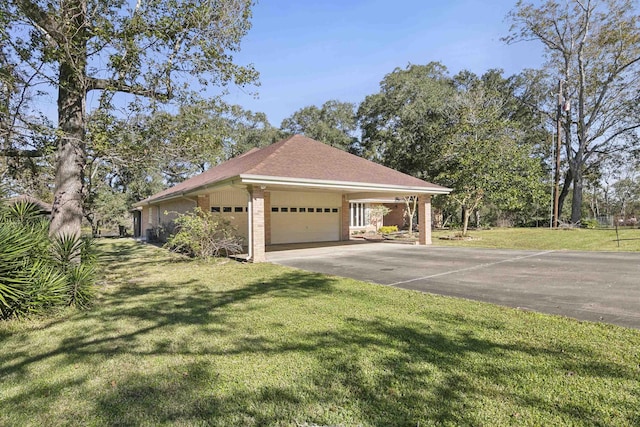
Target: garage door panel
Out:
[298,224]
[306,217]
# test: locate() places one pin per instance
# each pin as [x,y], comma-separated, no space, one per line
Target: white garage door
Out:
[304,217]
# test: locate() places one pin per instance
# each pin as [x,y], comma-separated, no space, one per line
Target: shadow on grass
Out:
[367,370]
[417,377]
[158,306]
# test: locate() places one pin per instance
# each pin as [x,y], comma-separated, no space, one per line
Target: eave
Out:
[345,186]
[275,182]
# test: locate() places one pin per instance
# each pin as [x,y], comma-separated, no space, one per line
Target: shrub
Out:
[14,274]
[37,273]
[204,235]
[388,229]
[590,223]
[79,290]
[74,257]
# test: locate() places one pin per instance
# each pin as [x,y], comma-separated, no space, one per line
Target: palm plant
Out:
[36,272]
[74,256]
[14,247]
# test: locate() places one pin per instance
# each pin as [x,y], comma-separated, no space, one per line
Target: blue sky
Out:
[308,52]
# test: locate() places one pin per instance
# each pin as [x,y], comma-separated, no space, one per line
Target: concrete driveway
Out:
[594,286]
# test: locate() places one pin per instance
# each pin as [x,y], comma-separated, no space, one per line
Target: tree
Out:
[147,50]
[377,214]
[411,206]
[593,47]
[626,192]
[403,125]
[247,130]
[486,158]
[467,132]
[26,140]
[130,159]
[334,123]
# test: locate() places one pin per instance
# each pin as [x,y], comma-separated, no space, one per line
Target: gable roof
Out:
[299,158]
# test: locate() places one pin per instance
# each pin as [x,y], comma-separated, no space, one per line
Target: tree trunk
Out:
[411,204]
[576,202]
[466,213]
[66,215]
[568,178]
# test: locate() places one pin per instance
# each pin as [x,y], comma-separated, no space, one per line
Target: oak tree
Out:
[153,49]
[593,48]
[334,123]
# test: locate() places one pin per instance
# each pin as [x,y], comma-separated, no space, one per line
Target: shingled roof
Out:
[300,158]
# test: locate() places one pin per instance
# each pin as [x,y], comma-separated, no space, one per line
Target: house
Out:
[295,190]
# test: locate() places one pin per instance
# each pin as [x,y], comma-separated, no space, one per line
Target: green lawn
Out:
[179,342]
[547,239]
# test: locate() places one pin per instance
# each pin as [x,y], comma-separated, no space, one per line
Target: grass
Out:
[180,342]
[578,239]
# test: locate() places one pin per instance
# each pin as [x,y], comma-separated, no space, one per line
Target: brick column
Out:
[424,219]
[203,203]
[344,220]
[257,222]
[267,217]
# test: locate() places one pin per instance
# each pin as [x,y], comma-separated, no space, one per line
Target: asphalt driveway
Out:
[594,286]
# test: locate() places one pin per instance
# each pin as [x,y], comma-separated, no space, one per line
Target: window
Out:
[334,210]
[238,209]
[294,209]
[357,215]
[215,209]
[303,209]
[226,209]
[274,209]
[284,209]
[327,210]
[309,209]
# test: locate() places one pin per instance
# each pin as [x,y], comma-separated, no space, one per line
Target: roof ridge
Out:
[249,151]
[276,148]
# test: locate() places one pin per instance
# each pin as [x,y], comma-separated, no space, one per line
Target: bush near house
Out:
[388,229]
[203,235]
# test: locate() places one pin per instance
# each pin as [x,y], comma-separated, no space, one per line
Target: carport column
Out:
[257,224]
[267,217]
[344,220]
[424,219]
[203,203]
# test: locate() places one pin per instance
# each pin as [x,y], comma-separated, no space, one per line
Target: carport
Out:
[296,190]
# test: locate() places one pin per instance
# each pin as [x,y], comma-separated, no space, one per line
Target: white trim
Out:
[381,200]
[339,185]
[300,183]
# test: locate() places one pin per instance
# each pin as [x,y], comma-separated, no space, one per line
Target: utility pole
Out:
[556,192]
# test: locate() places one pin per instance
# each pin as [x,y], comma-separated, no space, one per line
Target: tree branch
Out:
[120,86]
[14,152]
[41,19]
